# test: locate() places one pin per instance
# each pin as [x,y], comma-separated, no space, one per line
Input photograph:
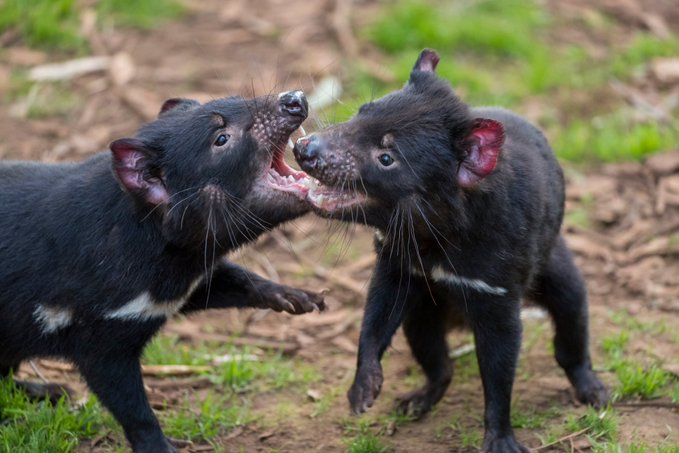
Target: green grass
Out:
[508,26]
[631,323]
[203,420]
[467,368]
[139,14]
[674,392]
[49,24]
[366,443]
[635,380]
[471,438]
[29,426]
[643,382]
[614,346]
[611,138]
[246,372]
[54,24]
[363,439]
[532,418]
[600,425]
[642,48]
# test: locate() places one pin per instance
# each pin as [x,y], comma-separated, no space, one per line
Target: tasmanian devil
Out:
[468,203]
[96,255]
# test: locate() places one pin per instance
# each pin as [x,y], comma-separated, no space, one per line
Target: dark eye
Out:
[222,139]
[386,159]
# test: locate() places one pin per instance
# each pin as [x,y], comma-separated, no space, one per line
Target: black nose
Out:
[294,102]
[307,151]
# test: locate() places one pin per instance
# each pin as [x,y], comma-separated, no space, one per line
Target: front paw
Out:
[589,389]
[365,389]
[286,298]
[505,444]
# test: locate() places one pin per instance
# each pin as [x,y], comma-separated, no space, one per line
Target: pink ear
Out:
[484,145]
[130,165]
[427,61]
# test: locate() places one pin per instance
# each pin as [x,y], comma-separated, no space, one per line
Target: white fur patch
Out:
[439,274]
[144,308]
[52,319]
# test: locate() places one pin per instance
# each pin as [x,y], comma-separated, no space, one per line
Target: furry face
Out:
[398,152]
[216,170]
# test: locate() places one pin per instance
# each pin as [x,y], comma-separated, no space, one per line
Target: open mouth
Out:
[280,176]
[330,199]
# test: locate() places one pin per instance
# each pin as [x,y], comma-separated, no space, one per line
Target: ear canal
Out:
[484,144]
[427,61]
[177,105]
[131,165]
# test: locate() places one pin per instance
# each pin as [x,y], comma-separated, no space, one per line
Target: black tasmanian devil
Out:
[96,255]
[468,203]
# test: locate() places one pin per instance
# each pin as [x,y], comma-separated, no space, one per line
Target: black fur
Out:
[447,210]
[148,221]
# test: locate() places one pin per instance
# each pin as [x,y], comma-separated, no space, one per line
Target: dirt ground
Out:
[628,248]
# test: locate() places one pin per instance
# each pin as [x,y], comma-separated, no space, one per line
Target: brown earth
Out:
[623,220]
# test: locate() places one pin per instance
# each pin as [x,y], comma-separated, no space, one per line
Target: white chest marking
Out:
[439,274]
[52,319]
[144,308]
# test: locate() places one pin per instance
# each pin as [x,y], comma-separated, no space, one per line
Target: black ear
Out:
[427,61]
[177,105]
[484,144]
[132,167]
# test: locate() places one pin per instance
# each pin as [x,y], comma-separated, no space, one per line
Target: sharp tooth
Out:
[290,144]
[301,129]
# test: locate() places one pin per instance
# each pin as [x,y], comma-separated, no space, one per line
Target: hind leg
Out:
[561,290]
[34,390]
[425,329]
[117,381]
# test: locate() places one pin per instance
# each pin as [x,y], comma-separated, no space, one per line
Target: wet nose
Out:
[294,102]
[307,151]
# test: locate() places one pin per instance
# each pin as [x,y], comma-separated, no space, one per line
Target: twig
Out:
[569,437]
[663,404]
[174,370]
[38,372]
[193,383]
[461,351]
[69,69]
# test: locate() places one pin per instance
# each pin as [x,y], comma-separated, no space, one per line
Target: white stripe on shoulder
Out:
[52,319]
[144,308]
[439,274]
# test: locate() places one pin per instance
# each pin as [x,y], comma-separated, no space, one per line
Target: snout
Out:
[294,103]
[307,152]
